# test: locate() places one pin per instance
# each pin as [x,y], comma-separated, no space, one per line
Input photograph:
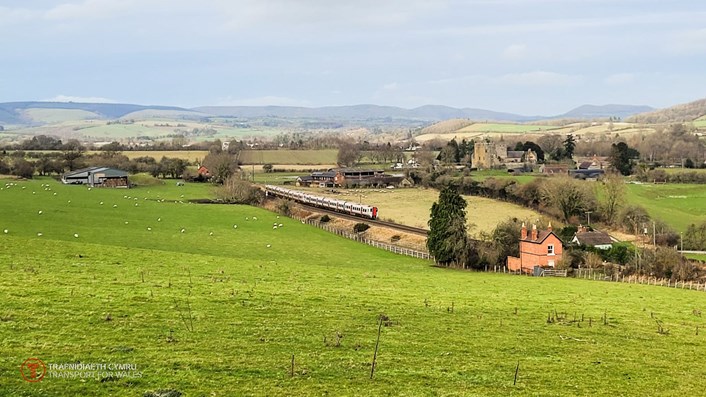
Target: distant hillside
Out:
[361,112]
[604,111]
[14,112]
[446,126]
[686,112]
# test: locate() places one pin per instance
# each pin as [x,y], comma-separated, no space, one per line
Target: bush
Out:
[284,207]
[238,191]
[324,219]
[144,180]
[360,227]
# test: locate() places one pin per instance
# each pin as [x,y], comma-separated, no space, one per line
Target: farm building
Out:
[537,249]
[587,174]
[96,176]
[592,238]
[554,169]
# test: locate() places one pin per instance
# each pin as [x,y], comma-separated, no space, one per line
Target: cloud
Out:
[689,41]
[538,78]
[620,78]
[263,101]
[80,99]
[515,52]
[90,9]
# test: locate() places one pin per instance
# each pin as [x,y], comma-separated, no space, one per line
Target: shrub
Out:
[324,219]
[284,207]
[360,227]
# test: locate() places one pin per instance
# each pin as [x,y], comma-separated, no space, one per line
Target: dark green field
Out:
[214,311]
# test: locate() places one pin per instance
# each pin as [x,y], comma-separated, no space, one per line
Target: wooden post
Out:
[517,369]
[375,355]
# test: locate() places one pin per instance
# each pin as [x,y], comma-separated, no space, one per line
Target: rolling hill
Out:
[685,112]
[17,112]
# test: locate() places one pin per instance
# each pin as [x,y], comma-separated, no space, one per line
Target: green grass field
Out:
[222,314]
[679,205]
[506,128]
[324,156]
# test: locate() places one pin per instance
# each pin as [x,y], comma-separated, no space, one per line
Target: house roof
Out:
[541,236]
[585,164]
[84,172]
[592,238]
[515,154]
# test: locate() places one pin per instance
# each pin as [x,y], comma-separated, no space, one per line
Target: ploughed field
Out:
[219,310]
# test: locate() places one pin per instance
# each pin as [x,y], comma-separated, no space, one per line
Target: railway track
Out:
[391,225]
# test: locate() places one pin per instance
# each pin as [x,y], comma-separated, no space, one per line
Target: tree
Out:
[221,166]
[238,191]
[614,196]
[620,157]
[568,196]
[535,148]
[569,146]
[347,154]
[448,241]
[72,153]
[267,168]
[22,168]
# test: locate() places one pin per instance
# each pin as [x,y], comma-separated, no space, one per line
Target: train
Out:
[346,207]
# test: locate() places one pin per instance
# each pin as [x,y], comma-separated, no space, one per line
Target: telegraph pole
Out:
[588,213]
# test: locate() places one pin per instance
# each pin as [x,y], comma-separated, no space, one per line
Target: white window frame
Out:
[550,250]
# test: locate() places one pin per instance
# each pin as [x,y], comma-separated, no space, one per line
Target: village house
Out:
[537,249]
[592,238]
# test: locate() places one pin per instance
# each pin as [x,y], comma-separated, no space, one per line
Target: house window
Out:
[550,249]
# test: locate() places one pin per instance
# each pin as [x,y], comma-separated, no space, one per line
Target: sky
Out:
[531,57]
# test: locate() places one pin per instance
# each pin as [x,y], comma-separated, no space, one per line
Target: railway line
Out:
[378,222]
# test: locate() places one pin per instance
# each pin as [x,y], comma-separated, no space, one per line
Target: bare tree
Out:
[347,154]
[613,196]
[568,196]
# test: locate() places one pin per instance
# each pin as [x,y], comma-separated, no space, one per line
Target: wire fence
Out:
[357,237]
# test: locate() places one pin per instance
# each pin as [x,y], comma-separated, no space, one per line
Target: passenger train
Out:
[347,207]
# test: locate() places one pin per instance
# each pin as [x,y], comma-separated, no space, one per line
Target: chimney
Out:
[523,233]
[534,232]
[549,228]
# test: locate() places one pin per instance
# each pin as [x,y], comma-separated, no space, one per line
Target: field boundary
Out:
[355,237]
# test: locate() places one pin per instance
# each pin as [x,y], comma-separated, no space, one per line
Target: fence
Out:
[378,244]
[638,279]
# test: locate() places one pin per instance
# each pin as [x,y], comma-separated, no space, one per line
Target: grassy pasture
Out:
[311,295]
[412,207]
[58,115]
[506,128]
[313,157]
[679,205]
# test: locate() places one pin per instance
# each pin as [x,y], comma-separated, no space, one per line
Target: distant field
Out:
[203,308]
[412,207]
[189,155]
[679,205]
[700,257]
[286,156]
[68,126]
[58,115]
[505,128]
[492,129]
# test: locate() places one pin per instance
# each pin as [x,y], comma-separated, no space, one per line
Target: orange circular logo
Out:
[33,370]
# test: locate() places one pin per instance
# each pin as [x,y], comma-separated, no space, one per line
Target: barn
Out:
[97,176]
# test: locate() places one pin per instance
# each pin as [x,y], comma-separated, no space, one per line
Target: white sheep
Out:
[39,234]
[76,235]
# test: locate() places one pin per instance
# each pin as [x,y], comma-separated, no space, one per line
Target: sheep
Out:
[183,230]
[39,234]
[159,219]
[76,235]
[6,231]
[149,229]
[235,226]
[274,227]
[101,203]
[268,246]
[40,212]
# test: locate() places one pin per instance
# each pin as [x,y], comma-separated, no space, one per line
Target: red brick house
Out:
[539,248]
[203,171]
